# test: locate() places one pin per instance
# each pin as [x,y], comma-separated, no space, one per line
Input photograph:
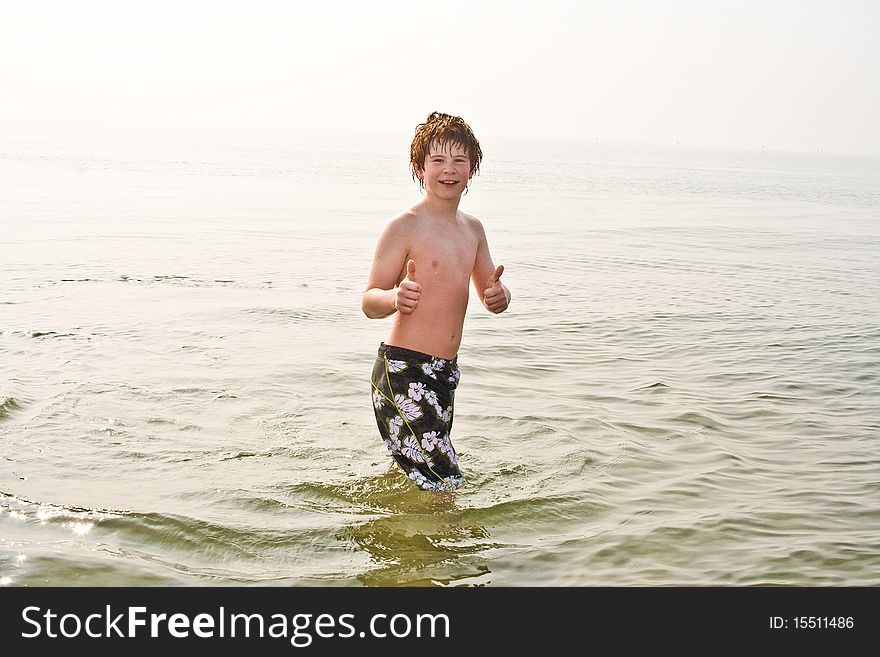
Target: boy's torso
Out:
[444,252]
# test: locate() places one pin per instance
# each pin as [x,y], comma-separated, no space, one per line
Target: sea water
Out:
[685,389]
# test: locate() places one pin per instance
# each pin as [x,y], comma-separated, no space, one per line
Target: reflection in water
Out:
[427,540]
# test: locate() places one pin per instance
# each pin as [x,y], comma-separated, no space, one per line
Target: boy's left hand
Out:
[495,297]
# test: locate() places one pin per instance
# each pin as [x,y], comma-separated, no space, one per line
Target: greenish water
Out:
[684,391]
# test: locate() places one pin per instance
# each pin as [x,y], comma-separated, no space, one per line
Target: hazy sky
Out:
[793,75]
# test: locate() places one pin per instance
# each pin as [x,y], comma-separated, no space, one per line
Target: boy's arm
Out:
[387,291]
[487,278]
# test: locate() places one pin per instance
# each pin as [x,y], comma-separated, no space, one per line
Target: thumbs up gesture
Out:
[496,297]
[408,291]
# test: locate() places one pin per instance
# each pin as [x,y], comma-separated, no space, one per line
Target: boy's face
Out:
[446,170]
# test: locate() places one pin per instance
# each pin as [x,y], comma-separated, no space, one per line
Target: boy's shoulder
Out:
[402,220]
[472,222]
[470,219]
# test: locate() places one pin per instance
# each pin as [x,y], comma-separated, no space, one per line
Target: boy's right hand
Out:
[407,294]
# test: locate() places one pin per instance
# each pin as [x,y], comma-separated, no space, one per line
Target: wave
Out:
[8,405]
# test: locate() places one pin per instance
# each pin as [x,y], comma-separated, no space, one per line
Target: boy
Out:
[423,263]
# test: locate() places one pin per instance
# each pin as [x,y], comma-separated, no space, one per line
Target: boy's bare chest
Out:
[449,253]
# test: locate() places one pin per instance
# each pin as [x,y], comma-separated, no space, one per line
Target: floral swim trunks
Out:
[413,397]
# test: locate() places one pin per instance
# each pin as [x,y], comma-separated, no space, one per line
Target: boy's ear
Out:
[418,169]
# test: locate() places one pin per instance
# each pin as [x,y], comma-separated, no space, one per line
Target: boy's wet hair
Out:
[446,130]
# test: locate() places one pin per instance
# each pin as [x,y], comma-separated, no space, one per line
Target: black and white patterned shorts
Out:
[413,398]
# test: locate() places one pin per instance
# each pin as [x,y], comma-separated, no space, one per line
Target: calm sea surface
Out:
[684,391]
